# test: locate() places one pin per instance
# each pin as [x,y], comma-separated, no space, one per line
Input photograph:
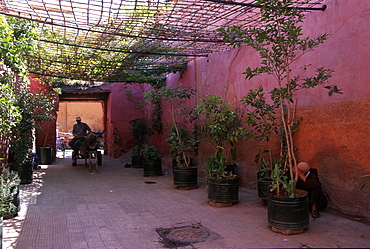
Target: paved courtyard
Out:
[70,207]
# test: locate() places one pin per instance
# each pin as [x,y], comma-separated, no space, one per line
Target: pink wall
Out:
[119,112]
[333,132]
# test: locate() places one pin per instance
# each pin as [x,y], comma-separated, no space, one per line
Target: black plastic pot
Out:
[25,172]
[185,177]
[223,190]
[45,155]
[153,167]
[286,213]
[136,162]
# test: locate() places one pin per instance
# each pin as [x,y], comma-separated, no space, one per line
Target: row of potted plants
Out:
[280,44]
[20,109]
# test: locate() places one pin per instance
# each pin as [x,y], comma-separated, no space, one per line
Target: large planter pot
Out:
[152,167]
[288,215]
[185,177]
[137,162]
[223,191]
[25,172]
[45,155]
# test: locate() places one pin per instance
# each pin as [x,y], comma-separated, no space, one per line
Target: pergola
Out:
[112,40]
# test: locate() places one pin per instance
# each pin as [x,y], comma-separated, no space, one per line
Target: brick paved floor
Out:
[69,207]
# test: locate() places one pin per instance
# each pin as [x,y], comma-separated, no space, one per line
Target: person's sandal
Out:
[315,214]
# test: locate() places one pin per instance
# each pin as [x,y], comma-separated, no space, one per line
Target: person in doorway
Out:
[308,179]
[80,130]
[35,158]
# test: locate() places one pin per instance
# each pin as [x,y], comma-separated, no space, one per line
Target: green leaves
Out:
[333,89]
[19,107]
[150,152]
[9,186]
[9,113]
[222,127]
[262,116]
[280,43]
[221,122]
[216,167]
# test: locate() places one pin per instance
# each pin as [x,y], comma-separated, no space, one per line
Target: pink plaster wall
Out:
[334,130]
[119,112]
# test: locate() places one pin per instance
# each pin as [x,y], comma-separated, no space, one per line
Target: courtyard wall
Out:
[334,130]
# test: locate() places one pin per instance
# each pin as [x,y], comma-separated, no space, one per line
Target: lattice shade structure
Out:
[112,40]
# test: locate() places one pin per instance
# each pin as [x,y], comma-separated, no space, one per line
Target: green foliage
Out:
[19,107]
[182,137]
[183,145]
[118,59]
[222,124]
[265,161]
[9,184]
[281,185]
[279,42]
[140,131]
[9,113]
[216,167]
[16,40]
[137,151]
[222,128]
[262,117]
[32,108]
[150,153]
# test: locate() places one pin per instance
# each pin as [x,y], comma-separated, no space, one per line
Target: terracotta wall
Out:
[91,113]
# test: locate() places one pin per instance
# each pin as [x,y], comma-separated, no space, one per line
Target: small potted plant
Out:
[140,133]
[183,147]
[280,44]
[152,162]
[222,128]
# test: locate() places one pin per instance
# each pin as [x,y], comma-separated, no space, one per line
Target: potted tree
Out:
[280,44]
[182,135]
[261,117]
[33,107]
[22,138]
[152,163]
[222,128]
[183,146]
